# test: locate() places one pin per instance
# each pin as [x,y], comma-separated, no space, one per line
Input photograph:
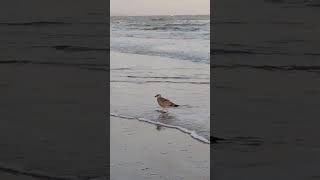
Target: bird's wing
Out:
[167,102]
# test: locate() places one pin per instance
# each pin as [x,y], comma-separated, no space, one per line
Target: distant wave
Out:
[36,174]
[305,3]
[193,134]
[50,23]
[257,52]
[185,27]
[247,52]
[181,55]
[36,23]
[171,28]
[162,77]
[158,19]
[77,48]
[231,51]
[48,62]
[120,69]
[269,67]
[174,82]
[71,48]
[183,24]
[165,79]
[88,66]
[229,22]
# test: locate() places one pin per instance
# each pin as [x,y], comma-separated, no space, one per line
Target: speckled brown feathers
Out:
[165,103]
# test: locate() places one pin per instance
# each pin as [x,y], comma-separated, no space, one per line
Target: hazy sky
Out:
[159,7]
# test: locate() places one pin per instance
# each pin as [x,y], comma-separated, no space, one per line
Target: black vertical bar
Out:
[266,89]
[54,89]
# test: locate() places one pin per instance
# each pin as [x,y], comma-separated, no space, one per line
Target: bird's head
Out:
[158,95]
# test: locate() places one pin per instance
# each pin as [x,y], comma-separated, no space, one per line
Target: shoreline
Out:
[192,134]
[155,153]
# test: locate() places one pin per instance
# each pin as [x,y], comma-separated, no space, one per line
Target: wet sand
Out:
[143,151]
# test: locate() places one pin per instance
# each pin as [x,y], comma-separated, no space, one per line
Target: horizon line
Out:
[161,15]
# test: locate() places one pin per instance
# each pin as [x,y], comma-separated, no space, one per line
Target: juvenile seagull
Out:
[165,103]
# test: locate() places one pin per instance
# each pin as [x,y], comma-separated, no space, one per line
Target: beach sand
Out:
[142,151]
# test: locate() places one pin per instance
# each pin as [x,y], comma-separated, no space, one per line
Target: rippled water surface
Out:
[179,37]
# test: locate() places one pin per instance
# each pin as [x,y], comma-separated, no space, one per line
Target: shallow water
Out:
[135,82]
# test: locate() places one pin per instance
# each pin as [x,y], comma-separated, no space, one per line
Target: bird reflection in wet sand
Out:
[165,118]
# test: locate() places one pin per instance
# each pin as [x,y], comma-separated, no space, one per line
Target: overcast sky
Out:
[159,7]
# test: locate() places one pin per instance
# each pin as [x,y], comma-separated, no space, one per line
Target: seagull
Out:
[165,103]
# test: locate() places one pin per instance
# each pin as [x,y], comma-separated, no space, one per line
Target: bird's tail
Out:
[176,105]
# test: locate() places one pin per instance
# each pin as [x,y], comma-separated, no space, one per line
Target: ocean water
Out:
[178,37]
[167,55]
